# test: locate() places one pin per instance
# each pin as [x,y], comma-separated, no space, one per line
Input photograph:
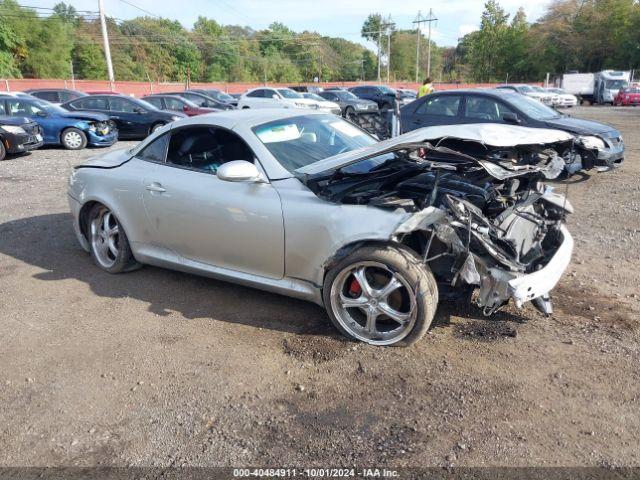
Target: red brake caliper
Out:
[354,289]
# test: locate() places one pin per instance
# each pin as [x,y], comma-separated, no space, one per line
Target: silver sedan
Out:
[308,205]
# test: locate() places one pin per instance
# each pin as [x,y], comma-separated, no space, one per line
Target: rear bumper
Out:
[499,286]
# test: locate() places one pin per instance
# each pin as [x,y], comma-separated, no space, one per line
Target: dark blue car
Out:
[72,130]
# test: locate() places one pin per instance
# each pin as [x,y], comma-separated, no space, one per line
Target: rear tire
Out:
[381,295]
[73,139]
[108,242]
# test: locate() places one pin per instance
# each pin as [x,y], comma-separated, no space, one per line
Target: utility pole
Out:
[419,20]
[105,41]
[73,76]
[379,42]
[389,25]
[430,19]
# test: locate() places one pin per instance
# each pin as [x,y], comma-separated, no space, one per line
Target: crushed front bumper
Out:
[498,286]
[22,142]
[98,140]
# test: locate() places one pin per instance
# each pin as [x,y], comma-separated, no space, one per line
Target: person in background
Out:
[426,88]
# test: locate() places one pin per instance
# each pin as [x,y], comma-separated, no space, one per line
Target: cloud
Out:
[466,29]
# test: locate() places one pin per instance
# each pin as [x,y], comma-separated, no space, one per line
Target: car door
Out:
[483,109]
[18,107]
[431,110]
[132,120]
[232,225]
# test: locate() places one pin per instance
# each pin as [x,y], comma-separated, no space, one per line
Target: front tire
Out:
[349,114]
[73,139]
[381,295]
[108,242]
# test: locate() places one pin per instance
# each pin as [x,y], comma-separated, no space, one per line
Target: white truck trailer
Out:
[599,87]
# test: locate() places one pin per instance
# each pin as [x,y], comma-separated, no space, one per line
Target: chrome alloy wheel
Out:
[105,238]
[73,139]
[373,303]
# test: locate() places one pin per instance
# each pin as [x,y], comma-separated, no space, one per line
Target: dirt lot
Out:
[162,368]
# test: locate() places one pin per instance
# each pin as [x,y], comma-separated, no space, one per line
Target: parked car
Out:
[265,97]
[218,95]
[202,100]
[406,95]
[349,103]
[72,130]
[333,89]
[373,231]
[134,118]
[324,104]
[56,95]
[603,144]
[529,91]
[177,104]
[18,134]
[306,88]
[103,92]
[382,95]
[549,98]
[564,99]
[628,96]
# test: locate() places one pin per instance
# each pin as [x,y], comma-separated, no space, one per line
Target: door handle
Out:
[155,187]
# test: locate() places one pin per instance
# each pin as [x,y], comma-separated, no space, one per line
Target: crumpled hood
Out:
[492,134]
[91,116]
[111,159]
[579,126]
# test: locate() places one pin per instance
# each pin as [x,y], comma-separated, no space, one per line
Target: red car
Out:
[628,96]
[178,104]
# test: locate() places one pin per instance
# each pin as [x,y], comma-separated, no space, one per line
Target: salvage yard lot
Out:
[156,367]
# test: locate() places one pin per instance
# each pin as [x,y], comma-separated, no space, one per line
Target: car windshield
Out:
[343,95]
[531,107]
[538,89]
[286,93]
[385,89]
[313,96]
[615,84]
[218,95]
[144,104]
[50,107]
[300,141]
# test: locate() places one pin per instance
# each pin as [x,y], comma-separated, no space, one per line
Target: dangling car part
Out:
[308,205]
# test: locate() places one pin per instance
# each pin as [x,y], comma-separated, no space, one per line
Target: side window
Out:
[442,105]
[356,91]
[331,96]
[270,93]
[121,105]
[2,109]
[155,101]
[156,150]
[204,149]
[173,103]
[20,108]
[484,108]
[256,94]
[91,103]
[48,96]
[66,96]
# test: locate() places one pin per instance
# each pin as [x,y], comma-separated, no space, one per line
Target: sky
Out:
[341,18]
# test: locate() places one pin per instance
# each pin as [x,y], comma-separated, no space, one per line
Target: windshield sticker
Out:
[346,128]
[278,133]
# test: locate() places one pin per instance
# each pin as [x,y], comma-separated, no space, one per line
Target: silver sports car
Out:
[308,205]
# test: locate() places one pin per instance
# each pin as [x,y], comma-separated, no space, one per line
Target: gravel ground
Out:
[161,368]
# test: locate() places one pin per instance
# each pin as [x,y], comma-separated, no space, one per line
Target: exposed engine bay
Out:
[482,216]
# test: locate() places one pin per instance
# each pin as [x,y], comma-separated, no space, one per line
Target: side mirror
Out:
[275,96]
[139,110]
[511,118]
[42,114]
[185,108]
[239,171]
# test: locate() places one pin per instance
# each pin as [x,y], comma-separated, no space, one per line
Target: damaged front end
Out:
[485,223]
